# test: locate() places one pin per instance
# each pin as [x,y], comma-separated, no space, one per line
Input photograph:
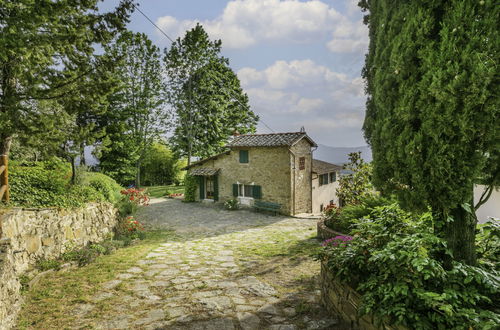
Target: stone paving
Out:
[204,281]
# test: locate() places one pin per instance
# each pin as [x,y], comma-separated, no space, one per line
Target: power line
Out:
[150,21]
[211,77]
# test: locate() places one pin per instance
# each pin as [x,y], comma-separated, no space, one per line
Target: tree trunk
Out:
[138,175]
[73,170]
[82,155]
[6,143]
[460,235]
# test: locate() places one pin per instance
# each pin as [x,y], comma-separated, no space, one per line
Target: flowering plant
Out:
[176,195]
[337,240]
[133,225]
[136,196]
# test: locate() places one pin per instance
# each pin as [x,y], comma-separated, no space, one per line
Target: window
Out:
[323,179]
[302,163]
[244,156]
[321,208]
[210,187]
[333,176]
[247,190]
[331,202]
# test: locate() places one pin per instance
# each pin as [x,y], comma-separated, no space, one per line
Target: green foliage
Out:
[343,219]
[209,102]
[44,265]
[488,245]
[103,184]
[160,166]
[47,184]
[232,204]
[433,106]
[190,185]
[48,51]
[137,115]
[356,184]
[394,261]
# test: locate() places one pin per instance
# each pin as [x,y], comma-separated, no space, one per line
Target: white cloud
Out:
[298,74]
[244,23]
[350,37]
[302,87]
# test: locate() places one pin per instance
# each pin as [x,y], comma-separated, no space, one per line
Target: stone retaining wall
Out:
[324,232]
[343,302]
[27,235]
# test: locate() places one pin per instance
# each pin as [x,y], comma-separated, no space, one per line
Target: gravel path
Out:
[217,277]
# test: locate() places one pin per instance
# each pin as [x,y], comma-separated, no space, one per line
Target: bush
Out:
[190,185]
[47,184]
[103,184]
[342,219]
[488,245]
[232,204]
[394,262]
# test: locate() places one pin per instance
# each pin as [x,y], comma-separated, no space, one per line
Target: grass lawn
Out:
[160,191]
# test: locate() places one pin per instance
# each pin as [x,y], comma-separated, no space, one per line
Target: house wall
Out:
[323,194]
[268,167]
[301,179]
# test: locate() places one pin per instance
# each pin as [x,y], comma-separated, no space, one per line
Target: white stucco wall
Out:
[323,194]
[491,208]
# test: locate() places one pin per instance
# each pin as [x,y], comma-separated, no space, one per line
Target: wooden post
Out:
[4,178]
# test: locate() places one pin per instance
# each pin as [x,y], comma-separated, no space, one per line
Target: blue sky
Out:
[298,61]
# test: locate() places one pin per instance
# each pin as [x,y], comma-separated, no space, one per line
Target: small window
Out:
[323,179]
[333,176]
[244,156]
[321,208]
[302,163]
[246,190]
[331,202]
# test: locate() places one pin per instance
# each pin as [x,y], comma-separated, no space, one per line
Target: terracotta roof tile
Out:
[321,167]
[269,140]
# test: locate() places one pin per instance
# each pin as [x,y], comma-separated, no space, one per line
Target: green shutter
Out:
[257,192]
[243,156]
[202,187]
[216,188]
[235,190]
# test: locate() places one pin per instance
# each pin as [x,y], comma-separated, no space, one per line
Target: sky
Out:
[299,61]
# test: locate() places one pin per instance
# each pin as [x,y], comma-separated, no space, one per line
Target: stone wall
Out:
[324,232]
[27,235]
[343,302]
[301,179]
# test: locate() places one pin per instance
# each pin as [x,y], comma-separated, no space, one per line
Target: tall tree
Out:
[46,48]
[433,107]
[206,95]
[137,113]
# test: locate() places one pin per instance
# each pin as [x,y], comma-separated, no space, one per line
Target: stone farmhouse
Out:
[277,168]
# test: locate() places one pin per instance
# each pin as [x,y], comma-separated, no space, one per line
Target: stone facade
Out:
[343,302]
[28,235]
[268,167]
[301,179]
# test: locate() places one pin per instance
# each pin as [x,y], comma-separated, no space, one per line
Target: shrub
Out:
[129,229]
[47,184]
[342,219]
[488,245]
[190,185]
[394,262]
[232,204]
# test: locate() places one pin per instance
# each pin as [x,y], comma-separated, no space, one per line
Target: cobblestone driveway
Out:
[211,279]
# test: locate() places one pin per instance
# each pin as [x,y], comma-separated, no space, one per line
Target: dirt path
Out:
[229,270]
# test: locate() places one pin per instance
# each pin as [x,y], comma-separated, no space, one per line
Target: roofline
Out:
[201,161]
[311,141]
[261,134]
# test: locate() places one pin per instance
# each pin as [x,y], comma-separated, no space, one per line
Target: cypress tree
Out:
[432,111]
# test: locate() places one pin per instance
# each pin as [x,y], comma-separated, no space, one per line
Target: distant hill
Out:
[339,155]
